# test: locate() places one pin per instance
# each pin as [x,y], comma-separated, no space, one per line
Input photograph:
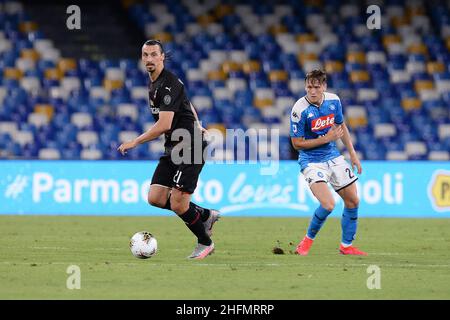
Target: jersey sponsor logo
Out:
[322,123]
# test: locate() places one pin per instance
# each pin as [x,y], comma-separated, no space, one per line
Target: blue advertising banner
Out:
[386,189]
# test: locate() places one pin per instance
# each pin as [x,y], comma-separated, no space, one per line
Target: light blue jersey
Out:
[310,121]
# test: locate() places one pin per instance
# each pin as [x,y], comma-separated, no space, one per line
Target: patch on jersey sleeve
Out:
[295,117]
[167,99]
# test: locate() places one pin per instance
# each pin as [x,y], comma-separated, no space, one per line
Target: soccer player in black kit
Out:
[173,182]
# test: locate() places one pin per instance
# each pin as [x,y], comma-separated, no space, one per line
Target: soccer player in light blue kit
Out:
[317,121]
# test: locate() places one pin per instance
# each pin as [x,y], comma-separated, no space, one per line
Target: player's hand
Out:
[355,162]
[126,146]
[336,132]
[205,133]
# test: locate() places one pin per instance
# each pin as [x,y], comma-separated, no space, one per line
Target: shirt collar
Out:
[318,106]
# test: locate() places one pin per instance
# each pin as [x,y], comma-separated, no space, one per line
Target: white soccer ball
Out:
[143,245]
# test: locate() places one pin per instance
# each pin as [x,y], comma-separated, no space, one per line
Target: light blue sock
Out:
[349,224]
[319,217]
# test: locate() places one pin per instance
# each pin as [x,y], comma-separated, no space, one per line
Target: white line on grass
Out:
[248,264]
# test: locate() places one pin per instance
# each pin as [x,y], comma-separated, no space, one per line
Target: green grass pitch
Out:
[35,251]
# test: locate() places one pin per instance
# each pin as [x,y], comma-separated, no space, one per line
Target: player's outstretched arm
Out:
[161,126]
[333,134]
[346,139]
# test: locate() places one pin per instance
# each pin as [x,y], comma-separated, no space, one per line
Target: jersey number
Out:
[350,173]
[177,176]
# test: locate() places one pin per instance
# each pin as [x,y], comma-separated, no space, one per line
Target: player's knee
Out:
[352,202]
[328,205]
[156,202]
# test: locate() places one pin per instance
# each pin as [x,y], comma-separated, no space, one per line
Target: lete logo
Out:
[439,190]
[322,123]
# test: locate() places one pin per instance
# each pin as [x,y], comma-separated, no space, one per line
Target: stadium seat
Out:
[91,154]
[81,120]
[38,119]
[87,138]
[49,154]
[439,156]
[128,109]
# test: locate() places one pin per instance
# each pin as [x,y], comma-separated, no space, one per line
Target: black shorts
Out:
[183,177]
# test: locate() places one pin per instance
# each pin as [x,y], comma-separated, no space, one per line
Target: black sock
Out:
[194,222]
[204,213]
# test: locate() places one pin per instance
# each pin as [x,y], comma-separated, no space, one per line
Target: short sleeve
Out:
[339,117]
[297,129]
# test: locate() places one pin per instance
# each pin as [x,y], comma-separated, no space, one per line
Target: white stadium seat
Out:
[399,76]
[236,84]
[415,67]
[443,86]
[128,109]
[8,127]
[376,57]
[49,154]
[126,135]
[59,92]
[195,75]
[87,138]
[23,137]
[218,56]
[114,74]
[3,93]
[222,93]
[90,154]
[439,156]
[38,119]
[139,93]
[415,148]
[207,65]
[202,102]
[238,56]
[99,92]
[214,29]
[70,84]
[41,45]
[81,119]
[444,131]
[31,84]
[25,64]
[384,130]
[396,155]
[296,85]
[366,94]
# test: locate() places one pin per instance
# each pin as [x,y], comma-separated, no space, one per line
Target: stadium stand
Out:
[243,63]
